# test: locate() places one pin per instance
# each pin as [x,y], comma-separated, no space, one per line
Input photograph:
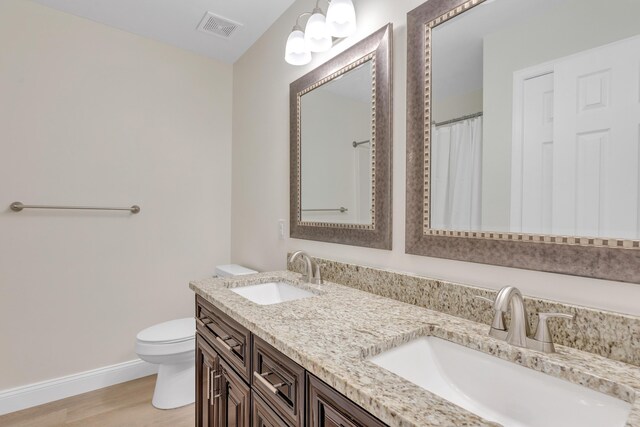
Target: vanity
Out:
[328,354]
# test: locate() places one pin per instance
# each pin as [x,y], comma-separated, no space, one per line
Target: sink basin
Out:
[272,293]
[500,391]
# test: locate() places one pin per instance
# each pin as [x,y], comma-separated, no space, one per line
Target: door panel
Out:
[207,368]
[235,399]
[537,150]
[578,174]
[596,133]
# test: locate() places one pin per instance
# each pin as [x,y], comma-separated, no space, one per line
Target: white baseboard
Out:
[30,395]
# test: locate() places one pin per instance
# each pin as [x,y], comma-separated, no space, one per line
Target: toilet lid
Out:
[171,331]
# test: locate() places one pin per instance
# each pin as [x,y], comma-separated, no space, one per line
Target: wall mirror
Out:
[524,134]
[341,147]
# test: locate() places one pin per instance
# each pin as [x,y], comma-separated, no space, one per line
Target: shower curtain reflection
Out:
[456,176]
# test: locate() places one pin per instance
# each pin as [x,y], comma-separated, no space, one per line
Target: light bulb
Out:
[316,35]
[341,18]
[296,52]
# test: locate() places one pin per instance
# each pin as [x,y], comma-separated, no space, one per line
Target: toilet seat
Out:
[168,338]
[173,331]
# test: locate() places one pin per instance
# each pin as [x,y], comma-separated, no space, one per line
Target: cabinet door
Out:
[235,399]
[262,415]
[328,408]
[207,375]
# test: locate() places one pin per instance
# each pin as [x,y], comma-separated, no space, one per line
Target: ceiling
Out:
[175,21]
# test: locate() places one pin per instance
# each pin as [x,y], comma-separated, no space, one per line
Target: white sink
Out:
[500,391]
[272,293]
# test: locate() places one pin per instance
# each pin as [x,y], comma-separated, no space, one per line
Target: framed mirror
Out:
[341,137]
[523,139]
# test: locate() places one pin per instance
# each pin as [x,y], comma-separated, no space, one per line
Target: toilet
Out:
[171,345]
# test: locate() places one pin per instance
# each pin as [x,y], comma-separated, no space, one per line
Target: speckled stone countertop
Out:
[334,333]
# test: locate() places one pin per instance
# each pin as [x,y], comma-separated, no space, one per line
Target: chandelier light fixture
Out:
[317,36]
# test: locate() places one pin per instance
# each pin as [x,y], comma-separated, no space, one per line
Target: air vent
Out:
[216,25]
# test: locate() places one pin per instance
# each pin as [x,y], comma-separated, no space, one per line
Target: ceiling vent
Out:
[216,25]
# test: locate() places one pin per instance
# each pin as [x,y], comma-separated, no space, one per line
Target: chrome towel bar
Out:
[355,144]
[341,209]
[18,206]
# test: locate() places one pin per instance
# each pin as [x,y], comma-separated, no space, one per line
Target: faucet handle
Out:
[317,276]
[542,331]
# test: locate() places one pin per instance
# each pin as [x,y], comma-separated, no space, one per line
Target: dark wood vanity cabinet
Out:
[242,381]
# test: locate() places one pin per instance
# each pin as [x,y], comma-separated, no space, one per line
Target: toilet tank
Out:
[232,270]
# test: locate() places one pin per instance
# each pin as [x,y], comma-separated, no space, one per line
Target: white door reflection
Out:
[576,158]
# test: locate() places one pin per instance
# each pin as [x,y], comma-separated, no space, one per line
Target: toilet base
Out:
[175,385]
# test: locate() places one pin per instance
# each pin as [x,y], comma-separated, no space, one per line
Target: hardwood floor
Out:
[123,405]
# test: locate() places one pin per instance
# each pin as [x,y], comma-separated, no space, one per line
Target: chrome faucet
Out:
[312,269]
[509,299]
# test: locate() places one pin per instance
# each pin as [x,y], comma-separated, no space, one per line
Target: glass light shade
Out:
[296,51]
[341,18]
[316,35]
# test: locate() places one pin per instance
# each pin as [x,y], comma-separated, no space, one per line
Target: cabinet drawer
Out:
[326,408]
[263,416]
[280,381]
[228,337]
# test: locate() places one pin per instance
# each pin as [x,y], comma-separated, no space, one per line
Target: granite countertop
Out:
[334,333]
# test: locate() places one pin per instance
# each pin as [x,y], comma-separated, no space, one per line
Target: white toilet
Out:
[172,345]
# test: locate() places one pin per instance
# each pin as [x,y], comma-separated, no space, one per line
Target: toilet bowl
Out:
[171,345]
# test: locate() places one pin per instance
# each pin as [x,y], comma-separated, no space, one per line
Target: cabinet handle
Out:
[219,388]
[214,387]
[224,344]
[203,322]
[212,390]
[266,383]
[208,383]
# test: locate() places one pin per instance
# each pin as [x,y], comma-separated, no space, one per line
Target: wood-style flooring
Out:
[123,405]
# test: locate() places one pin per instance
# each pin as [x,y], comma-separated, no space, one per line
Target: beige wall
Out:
[261,173]
[455,107]
[329,123]
[97,116]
